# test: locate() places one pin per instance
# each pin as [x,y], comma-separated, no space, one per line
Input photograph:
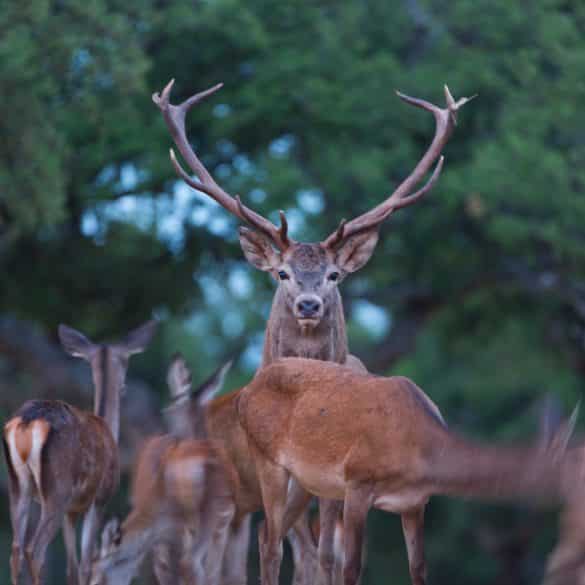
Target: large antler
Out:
[175,119]
[446,119]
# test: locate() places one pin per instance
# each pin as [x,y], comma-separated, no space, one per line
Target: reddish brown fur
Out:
[178,486]
[371,441]
[67,458]
[307,319]
[77,465]
[223,426]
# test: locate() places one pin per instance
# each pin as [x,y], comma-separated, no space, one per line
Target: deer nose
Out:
[308,307]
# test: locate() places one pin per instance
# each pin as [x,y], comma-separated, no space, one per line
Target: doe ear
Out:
[75,343]
[258,250]
[354,252]
[137,340]
[179,378]
[209,389]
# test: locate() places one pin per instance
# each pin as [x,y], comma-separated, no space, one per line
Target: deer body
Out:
[182,496]
[65,436]
[67,458]
[372,442]
[179,485]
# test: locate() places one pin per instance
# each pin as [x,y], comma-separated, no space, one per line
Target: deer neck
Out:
[285,338]
[106,402]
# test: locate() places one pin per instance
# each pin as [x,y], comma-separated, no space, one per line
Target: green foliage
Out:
[483,281]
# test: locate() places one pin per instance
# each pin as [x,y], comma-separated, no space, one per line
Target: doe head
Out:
[109,362]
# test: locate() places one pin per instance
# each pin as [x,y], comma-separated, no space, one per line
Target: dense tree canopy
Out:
[477,292]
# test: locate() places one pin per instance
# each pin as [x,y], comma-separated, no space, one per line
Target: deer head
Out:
[109,363]
[110,566]
[186,413]
[308,273]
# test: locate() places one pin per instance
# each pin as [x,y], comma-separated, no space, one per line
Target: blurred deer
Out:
[566,564]
[306,319]
[373,442]
[67,459]
[185,418]
[182,504]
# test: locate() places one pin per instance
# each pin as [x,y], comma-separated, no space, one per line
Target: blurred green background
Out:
[477,293]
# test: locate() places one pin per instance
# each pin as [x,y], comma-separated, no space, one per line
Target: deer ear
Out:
[137,341]
[258,250]
[179,378]
[75,343]
[354,252]
[209,389]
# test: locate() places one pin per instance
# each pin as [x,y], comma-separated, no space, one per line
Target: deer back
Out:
[315,406]
[329,426]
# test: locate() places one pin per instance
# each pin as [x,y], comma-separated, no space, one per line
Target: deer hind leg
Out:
[167,557]
[71,548]
[214,529]
[20,485]
[413,523]
[89,531]
[52,513]
[355,511]
[274,486]
[235,560]
[329,513]
[20,505]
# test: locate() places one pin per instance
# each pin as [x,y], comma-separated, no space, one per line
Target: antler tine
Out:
[445,120]
[174,117]
[278,235]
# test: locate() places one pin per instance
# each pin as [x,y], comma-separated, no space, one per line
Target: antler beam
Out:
[174,116]
[446,119]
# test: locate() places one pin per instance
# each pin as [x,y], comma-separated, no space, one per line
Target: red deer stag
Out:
[306,319]
[372,442]
[182,499]
[67,458]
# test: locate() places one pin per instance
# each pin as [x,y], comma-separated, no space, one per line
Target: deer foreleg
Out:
[274,486]
[296,527]
[413,523]
[329,513]
[355,511]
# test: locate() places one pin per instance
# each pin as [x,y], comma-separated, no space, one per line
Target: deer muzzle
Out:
[308,309]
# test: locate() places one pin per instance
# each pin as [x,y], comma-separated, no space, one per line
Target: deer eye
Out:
[333,276]
[283,275]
